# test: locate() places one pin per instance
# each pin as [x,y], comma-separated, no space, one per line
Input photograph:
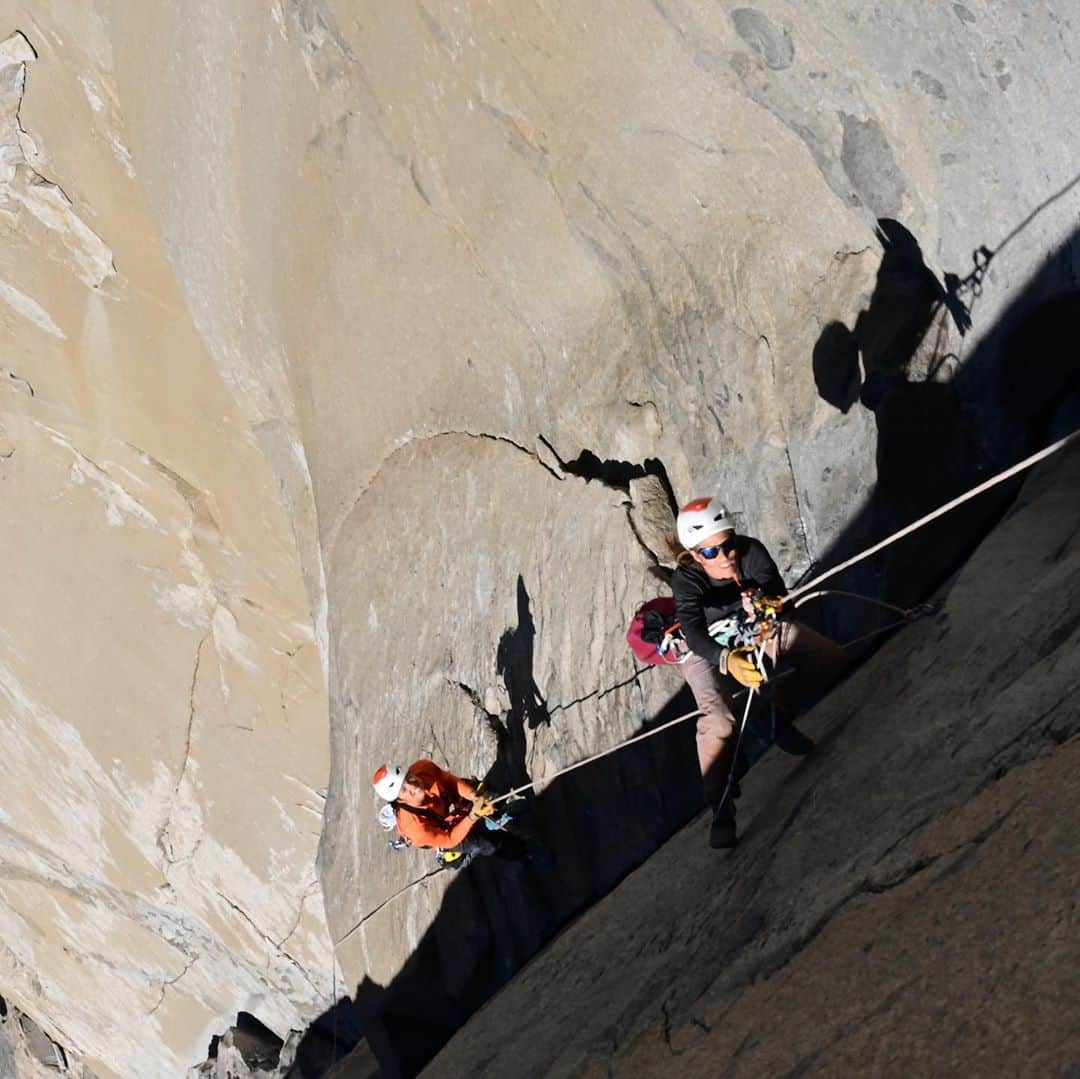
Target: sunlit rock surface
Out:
[161,683]
[352,354]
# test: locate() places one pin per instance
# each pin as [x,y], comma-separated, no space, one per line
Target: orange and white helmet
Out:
[387,781]
[700,519]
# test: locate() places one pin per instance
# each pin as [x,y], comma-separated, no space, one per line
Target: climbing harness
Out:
[740,631]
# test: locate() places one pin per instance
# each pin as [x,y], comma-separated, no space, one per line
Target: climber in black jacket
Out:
[717,573]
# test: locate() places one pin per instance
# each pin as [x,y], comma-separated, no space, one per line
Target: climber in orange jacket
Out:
[434,808]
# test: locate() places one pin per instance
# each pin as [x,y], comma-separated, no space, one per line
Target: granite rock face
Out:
[162,692]
[902,902]
[355,357]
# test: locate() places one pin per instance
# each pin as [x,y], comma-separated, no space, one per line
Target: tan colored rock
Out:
[652,518]
[162,692]
[309,308]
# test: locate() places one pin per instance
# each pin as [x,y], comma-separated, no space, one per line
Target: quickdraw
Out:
[739,631]
[673,646]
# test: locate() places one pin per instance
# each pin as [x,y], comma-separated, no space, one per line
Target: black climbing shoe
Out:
[722,833]
[791,740]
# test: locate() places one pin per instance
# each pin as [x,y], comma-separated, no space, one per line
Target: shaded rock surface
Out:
[353,353]
[27,1052]
[902,902]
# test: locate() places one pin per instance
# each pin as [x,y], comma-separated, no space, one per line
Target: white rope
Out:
[758,657]
[1027,462]
[596,756]
[850,595]
[908,615]
[641,737]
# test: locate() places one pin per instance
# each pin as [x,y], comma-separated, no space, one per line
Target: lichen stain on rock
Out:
[868,161]
[771,42]
[929,85]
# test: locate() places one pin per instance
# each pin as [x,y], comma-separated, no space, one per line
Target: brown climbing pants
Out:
[816,661]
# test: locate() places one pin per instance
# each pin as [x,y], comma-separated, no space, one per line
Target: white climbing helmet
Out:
[388,780]
[700,519]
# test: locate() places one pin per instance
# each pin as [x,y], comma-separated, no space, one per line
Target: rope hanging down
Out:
[799,596]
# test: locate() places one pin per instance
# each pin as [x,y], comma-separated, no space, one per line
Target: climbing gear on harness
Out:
[700,519]
[738,630]
[482,807]
[767,606]
[735,631]
[739,663]
[387,781]
[452,859]
[654,636]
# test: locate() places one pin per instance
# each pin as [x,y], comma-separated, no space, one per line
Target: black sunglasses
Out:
[727,547]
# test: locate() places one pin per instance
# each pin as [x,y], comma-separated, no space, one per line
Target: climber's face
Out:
[411,793]
[718,555]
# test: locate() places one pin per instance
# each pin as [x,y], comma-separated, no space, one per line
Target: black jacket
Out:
[700,601]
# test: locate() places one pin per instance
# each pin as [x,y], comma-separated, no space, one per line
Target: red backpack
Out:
[654,635]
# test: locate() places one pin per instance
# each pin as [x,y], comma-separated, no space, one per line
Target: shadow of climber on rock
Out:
[514,662]
[895,363]
[528,709]
[852,365]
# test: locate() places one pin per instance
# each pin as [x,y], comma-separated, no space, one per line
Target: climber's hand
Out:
[482,807]
[748,606]
[740,665]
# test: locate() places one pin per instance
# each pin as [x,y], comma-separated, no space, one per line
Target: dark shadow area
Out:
[497,914]
[837,373]
[618,474]
[514,665]
[942,426]
[933,442]
[333,1035]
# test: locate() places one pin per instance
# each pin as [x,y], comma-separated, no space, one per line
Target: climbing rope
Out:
[596,756]
[800,595]
[909,615]
[803,594]
[1027,462]
[850,595]
[742,727]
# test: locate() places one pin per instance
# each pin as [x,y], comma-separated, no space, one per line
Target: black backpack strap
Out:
[424,814]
